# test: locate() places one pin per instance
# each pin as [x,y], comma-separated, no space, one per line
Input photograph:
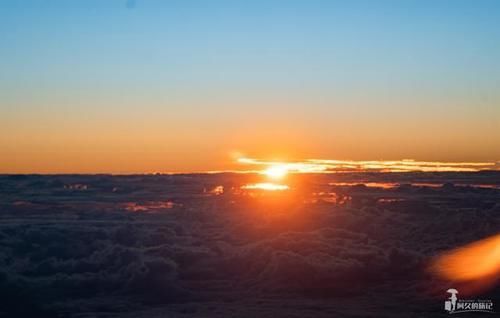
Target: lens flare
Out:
[474,262]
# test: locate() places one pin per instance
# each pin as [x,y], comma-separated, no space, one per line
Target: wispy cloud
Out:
[407,165]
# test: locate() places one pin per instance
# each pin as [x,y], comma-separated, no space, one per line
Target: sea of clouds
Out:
[170,246]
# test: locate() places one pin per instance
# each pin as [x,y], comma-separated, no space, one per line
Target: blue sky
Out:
[336,72]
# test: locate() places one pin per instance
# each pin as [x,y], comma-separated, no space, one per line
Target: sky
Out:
[182,86]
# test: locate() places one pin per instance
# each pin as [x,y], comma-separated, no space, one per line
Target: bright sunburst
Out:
[276,171]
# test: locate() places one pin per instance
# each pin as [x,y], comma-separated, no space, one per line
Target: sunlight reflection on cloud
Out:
[265,186]
[407,165]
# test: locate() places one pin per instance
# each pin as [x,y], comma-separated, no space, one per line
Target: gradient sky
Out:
[143,86]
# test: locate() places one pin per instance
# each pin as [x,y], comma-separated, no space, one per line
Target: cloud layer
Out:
[169,245]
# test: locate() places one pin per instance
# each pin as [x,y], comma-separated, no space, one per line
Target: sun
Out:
[276,171]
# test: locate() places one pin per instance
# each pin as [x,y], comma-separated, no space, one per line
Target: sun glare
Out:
[276,171]
[265,186]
